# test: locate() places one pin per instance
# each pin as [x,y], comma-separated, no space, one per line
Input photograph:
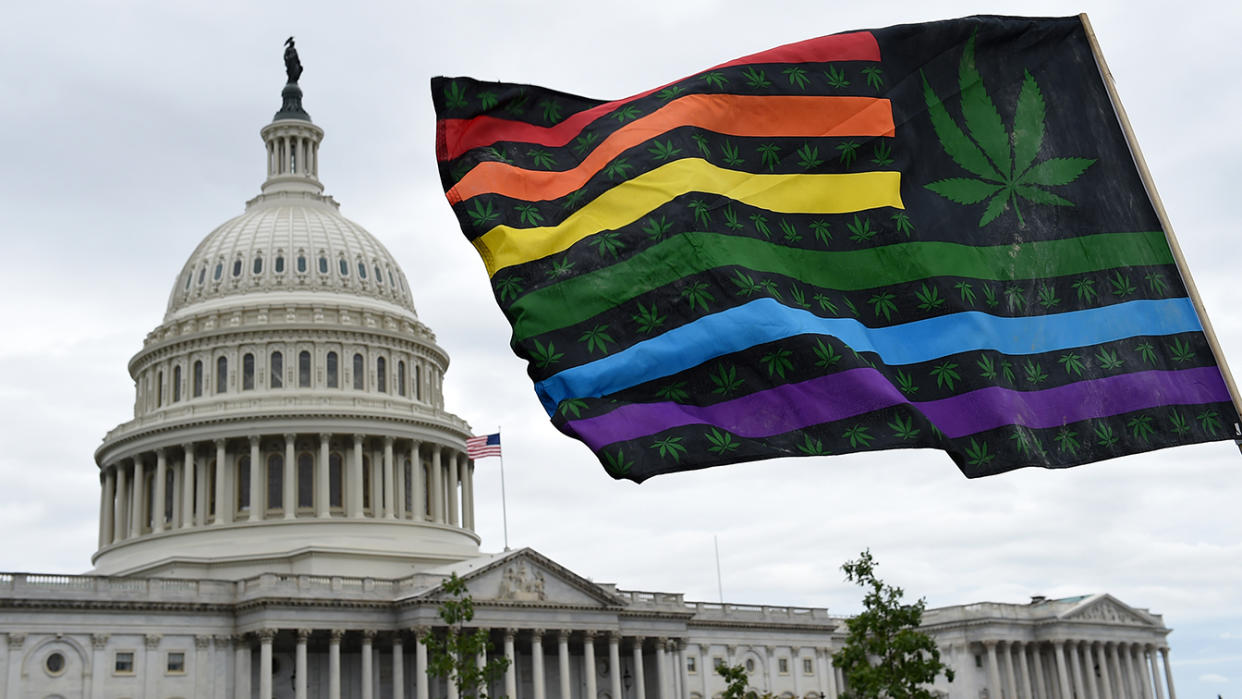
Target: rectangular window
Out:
[243,484]
[717,661]
[692,665]
[332,370]
[782,666]
[304,369]
[248,372]
[123,663]
[808,667]
[334,480]
[275,481]
[176,663]
[306,480]
[276,370]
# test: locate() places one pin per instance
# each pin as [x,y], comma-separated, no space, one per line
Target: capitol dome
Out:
[289,412]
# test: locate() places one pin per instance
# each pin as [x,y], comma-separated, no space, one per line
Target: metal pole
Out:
[504,508]
[719,583]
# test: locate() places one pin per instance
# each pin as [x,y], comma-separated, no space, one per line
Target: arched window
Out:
[243,484]
[333,371]
[344,268]
[222,374]
[334,479]
[301,264]
[176,387]
[401,377]
[219,272]
[359,373]
[366,483]
[247,372]
[390,281]
[304,369]
[258,265]
[381,375]
[280,264]
[418,381]
[159,389]
[189,277]
[323,264]
[379,276]
[237,268]
[198,378]
[276,370]
[275,481]
[362,270]
[306,480]
[202,274]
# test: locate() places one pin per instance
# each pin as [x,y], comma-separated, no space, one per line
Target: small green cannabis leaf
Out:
[1003,174]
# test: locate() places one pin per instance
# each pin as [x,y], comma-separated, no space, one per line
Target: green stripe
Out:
[575,300]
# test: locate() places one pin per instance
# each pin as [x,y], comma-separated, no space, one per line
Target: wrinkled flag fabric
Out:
[930,235]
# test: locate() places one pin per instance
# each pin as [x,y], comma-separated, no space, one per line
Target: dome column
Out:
[256,482]
[418,500]
[118,508]
[187,485]
[200,492]
[323,483]
[157,502]
[467,495]
[288,496]
[389,490]
[354,491]
[437,485]
[223,510]
[402,467]
[106,506]
[136,499]
[454,491]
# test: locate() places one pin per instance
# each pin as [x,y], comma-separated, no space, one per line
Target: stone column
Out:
[994,682]
[136,500]
[454,492]
[1037,660]
[1168,672]
[323,487]
[265,663]
[1155,671]
[661,668]
[1106,679]
[258,501]
[147,665]
[118,507]
[187,486]
[99,645]
[418,500]
[107,507]
[241,667]
[588,661]
[510,672]
[1075,663]
[1024,671]
[299,665]
[830,674]
[390,501]
[289,498]
[1093,689]
[680,680]
[157,503]
[200,493]
[536,663]
[640,679]
[562,653]
[334,663]
[1140,666]
[223,510]
[398,667]
[1062,671]
[467,496]
[368,638]
[399,489]
[614,663]
[420,663]
[437,485]
[353,494]
[1011,679]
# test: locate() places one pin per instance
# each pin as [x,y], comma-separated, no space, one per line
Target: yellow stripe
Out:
[505,246]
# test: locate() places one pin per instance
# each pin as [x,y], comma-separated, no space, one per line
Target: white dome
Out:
[289,242]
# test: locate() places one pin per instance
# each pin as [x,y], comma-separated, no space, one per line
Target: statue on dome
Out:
[293,66]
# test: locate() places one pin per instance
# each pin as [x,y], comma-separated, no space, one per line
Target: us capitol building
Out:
[278,516]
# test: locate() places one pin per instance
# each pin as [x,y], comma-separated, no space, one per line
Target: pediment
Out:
[526,577]
[1109,610]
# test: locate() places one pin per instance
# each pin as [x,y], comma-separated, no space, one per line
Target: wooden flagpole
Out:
[1176,249]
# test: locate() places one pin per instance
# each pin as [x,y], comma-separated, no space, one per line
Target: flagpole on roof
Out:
[504,507]
[1150,185]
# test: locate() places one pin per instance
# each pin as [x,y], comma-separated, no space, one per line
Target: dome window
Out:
[176,387]
[280,264]
[362,270]
[401,378]
[333,379]
[334,480]
[390,281]
[202,274]
[258,265]
[323,265]
[275,481]
[243,484]
[237,268]
[198,378]
[304,369]
[275,370]
[306,481]
[301,264]
[344,268]
[379,276]
[381,375]
[219,272]
[359,377]
[248,372]
[189,277]
[222,374]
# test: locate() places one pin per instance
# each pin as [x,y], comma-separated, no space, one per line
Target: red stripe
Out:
[457,136]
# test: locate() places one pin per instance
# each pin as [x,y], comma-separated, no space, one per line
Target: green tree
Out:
[885,656]
[452,652]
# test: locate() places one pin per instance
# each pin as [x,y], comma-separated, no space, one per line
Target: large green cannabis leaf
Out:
[1004,162]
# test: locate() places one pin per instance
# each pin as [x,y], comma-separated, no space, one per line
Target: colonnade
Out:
[1082,669]
[287,476]
[293,153]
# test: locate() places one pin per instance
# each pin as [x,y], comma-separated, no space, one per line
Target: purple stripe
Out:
[857,391]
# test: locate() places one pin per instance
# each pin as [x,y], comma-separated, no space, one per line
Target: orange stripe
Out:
[733,115]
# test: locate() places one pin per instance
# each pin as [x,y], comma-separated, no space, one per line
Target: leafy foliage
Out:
[885,654]
[453,653]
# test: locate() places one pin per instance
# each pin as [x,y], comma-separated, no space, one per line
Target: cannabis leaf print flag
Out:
[928,235]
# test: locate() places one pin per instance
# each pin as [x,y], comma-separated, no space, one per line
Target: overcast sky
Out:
[129,130]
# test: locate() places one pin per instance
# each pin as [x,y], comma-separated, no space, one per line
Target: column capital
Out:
[254,440]
[219,442]
[336,634]
[99,641]
[16,641]
[614,636]
[160,452]
[188,447]
[388,441]
[222,641]
[368,635]
[325,436]
[358,438]
[152,640]
[637,640]
[201,642]
[421,631]
[304,634]
[589,635]
[289,436]
[989,643]
[563,634]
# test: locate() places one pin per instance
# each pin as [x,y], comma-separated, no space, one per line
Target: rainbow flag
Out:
[929,235]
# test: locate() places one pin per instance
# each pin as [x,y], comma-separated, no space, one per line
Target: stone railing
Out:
[768,614]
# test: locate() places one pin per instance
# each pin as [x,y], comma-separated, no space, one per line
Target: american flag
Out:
[483,446]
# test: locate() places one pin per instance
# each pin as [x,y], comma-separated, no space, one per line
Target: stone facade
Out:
[278,518]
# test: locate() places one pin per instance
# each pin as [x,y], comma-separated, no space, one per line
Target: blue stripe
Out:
[766,320]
